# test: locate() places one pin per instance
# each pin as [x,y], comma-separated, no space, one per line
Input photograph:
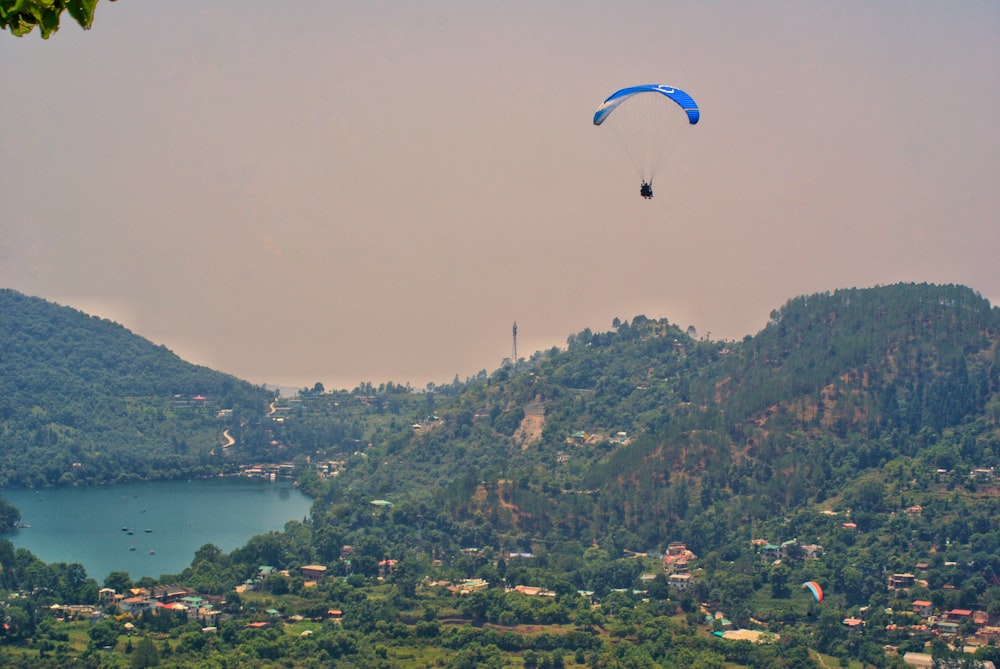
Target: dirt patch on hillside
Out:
[530,429]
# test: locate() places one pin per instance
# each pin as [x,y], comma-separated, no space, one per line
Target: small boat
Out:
[124,529]
[130,532]
[131,548]
[152,552]
[148,530]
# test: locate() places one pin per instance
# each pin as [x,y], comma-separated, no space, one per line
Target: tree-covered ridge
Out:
[835,385]
[921,354]
[82,399]
[855,438]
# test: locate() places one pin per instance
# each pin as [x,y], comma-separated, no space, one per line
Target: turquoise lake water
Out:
[88,524]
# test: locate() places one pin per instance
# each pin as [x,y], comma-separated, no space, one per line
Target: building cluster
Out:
[677,566]
[271,472]
[975,627]
[771,553]
[205,609]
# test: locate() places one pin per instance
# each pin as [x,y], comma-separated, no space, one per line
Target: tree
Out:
[21,16]
[145,654]
[9,515]
[105,634]
[780,573]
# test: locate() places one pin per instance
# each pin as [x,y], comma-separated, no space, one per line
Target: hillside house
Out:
[681,582]
[901,581]
[923,608]
[958,615]
[313,572]
[137,605]
[469,586]
[678,558]
[167,594]
[678,566]
[770,553]
[811,551]
[386,567]
[533,591]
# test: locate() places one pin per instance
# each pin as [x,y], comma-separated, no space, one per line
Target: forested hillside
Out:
[835,386]
[83,400]
[641,478]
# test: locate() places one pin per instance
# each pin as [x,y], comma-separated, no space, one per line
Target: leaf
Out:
[82,11]
[22,16]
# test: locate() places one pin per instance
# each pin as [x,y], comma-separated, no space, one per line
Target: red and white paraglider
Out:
[813,587]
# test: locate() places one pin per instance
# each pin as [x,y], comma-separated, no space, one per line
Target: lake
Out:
[149,529]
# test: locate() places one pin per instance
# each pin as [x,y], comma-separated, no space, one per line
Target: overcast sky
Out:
[375,191]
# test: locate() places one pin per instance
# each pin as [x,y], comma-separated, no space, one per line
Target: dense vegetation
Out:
[854,438]
[83,400]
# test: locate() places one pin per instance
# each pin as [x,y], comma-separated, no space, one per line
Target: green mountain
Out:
[717,434]
[853,442]
[84,400]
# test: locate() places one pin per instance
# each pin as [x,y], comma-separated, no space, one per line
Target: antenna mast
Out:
[514,354]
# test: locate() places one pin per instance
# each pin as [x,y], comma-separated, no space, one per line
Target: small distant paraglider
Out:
[815,589]
[648,120]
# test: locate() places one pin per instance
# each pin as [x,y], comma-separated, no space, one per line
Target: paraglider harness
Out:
[646,190]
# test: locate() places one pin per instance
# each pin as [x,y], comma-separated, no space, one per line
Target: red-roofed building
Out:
[958,615]
[386,567]
[923,608]
[173,606]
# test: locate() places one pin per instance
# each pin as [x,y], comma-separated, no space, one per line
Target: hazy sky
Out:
[375,191]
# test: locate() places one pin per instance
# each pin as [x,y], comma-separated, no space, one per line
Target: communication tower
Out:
[513,357]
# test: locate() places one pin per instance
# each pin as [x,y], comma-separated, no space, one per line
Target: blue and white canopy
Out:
[685,101]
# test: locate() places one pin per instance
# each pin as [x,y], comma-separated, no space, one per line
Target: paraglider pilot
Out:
[646,190]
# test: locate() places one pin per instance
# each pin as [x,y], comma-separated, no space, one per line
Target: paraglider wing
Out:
[648,121]
[685,101]
[814,588]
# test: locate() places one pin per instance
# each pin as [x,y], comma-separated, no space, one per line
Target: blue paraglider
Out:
[685,101]
[648,120]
